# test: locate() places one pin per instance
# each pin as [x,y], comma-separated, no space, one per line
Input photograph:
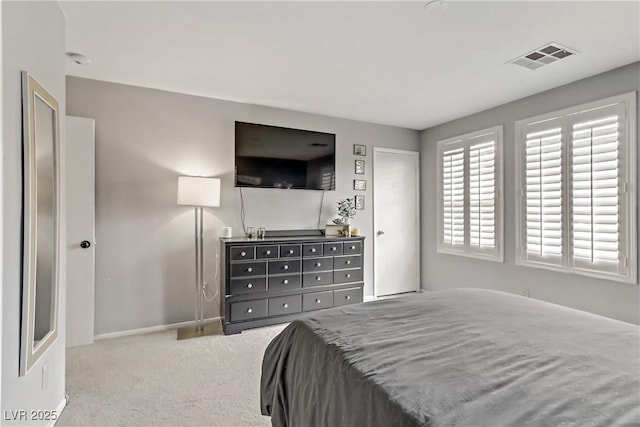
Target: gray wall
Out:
[145,139]
[33,39]
[440,271]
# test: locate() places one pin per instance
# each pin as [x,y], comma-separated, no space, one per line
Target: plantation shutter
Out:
[543,193]
[453,196]
[482,195]
[596,188]
[470,200]
[578,179]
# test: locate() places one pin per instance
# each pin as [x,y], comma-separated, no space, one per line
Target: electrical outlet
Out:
[525,292]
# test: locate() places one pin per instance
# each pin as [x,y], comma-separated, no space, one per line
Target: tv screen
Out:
[276,157]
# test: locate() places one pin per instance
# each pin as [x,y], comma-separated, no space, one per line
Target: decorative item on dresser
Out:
[274,280]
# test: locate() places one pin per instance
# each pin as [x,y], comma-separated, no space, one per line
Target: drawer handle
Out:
[249,270]
[318,264]
[317,301]
[333,248]
[285,267]
[313,249]
[348,274]
[290,251]
[348,297]
[268,252]
[249,285]
[249,310]
[353,247]
[285,305]
[285,281]
[348,261]
[243,254]
[318,278]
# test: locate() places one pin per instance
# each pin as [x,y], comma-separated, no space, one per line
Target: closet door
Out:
[80,222]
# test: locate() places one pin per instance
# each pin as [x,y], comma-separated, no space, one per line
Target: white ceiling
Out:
[394,63]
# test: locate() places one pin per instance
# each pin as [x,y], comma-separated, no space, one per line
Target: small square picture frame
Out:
[359,167]
[359,150]
[359,202]
[360,184]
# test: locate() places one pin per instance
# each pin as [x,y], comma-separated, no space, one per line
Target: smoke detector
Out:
[78,58]
[547,54]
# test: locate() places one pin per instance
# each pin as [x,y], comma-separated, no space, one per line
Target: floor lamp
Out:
[199,192]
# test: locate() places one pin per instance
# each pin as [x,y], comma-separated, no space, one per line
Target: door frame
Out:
[416,158]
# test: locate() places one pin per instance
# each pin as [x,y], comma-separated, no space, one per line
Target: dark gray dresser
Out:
[264,282]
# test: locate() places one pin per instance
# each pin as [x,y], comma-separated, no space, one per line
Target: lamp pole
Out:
[199,192]
[199,270]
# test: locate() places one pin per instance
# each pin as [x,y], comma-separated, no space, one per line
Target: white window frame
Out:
[628,168]
[497,254]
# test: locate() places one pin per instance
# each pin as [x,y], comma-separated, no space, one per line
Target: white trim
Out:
[416,156]
[58,410]
[149,330]
[2,135]
[395,151]
[465,250]
[628,164]
[369,298]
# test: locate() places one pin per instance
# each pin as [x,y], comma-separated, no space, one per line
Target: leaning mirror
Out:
[40,231]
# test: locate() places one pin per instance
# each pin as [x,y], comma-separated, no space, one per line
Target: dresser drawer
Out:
[248,269]
[243,252]
[241,286]
[290,251]
[245,310]
[317,279]
[347,296]
[342,262]
[285,305]
[346,276]
[317,300]
[266,252]
[291,281]
[352,248]
[312,249]
[284,267]
[333,248]
[317,264]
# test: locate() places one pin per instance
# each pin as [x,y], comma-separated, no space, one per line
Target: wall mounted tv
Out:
[276,157]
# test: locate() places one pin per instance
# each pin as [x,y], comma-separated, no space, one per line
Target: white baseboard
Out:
[148,330]
[369,298]
[59,410]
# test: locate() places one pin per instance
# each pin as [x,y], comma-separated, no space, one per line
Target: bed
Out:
[463,357]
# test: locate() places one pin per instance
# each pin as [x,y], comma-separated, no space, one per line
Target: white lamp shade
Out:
[198,191]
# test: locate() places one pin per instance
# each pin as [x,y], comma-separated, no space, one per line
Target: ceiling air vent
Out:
[545,55]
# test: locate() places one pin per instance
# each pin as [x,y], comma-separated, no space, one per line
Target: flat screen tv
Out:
[276,157]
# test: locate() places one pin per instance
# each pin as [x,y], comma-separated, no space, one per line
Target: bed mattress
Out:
[463,357]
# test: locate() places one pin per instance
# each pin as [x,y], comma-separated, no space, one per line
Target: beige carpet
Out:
[154,380]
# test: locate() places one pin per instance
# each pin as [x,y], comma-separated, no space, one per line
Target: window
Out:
[470,195]
[577,199]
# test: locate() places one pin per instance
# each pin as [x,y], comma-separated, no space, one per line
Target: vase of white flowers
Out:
[346,211]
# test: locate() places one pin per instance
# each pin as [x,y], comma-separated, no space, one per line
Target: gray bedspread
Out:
[453,358]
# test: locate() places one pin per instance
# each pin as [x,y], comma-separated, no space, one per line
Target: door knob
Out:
[85,244]
[380,233]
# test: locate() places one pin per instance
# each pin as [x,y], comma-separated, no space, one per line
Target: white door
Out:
[396,208]
[80,210]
